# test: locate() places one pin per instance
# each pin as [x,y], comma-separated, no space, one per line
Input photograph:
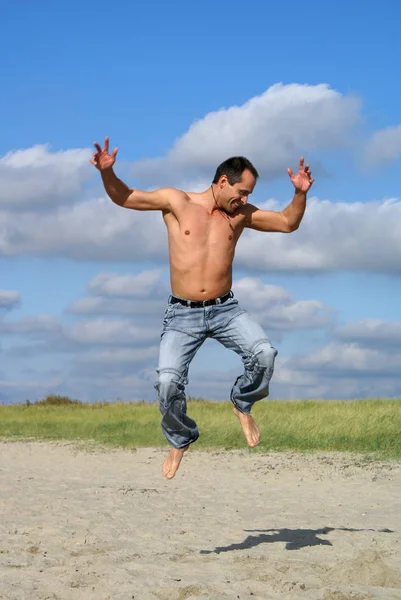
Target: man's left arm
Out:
[289,219]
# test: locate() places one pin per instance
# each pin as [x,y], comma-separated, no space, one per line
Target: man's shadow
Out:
[294,538]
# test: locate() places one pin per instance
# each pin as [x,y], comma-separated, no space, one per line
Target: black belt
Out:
[201,303]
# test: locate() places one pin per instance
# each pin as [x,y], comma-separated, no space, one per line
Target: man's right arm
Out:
[124,196]
[135,199]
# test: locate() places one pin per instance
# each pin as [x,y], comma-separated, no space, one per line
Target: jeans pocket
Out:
[168,315]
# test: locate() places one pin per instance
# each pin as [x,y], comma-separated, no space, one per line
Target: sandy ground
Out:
[89,523]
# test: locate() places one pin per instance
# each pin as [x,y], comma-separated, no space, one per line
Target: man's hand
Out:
[302,181]
[102,159]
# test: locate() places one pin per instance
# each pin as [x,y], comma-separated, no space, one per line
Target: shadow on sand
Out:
[294,538]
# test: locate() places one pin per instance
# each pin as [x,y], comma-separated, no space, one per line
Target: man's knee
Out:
[265,355]
[169,387]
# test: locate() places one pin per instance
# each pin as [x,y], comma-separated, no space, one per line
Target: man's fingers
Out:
[98,148]
[301,162]
[290,172]
[114,153]
[93,161]
[106,143]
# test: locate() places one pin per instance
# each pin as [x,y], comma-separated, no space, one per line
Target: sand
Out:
[84,522]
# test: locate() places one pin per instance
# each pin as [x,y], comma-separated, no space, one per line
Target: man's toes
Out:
[172,462]
[254,441]
[168,471]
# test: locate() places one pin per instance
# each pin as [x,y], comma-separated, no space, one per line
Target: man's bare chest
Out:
[218,228]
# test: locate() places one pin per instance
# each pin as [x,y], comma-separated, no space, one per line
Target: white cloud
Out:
[371,333]
[90,386]
[91,230]
[9,299]
[142,295]
[274,308]
[332,236]
[118,363]
[99,305]
[52,335]
[272,130]
[384,146]
[289,385]
[114,351]
[35,177]
[335,371]
[31,389]
[316,376]
[114,332]
[121,356]
[142,285]
[342,359]
[31,325]
[271,305]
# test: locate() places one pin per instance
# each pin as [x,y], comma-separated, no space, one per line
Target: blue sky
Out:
[179,86]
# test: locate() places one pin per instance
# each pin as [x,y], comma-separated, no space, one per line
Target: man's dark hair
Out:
[233,168]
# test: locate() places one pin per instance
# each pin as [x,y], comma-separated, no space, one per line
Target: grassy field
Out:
[364,426]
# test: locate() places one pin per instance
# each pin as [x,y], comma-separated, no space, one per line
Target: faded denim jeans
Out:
[184,331]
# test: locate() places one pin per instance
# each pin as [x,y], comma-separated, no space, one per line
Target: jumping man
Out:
[203,230]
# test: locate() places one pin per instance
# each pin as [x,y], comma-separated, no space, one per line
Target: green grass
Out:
[362,426]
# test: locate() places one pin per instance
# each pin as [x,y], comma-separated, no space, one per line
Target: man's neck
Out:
[214,201]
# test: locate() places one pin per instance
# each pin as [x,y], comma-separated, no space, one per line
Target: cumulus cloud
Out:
[142,285]
[332,236]
[91,386]
[274,308]
[50,335]
[338,370]
[37,325]
[119,362]
[122,356]
[371,334]
[384,146]
[271,305]
[296,379]
[92,230]
[35,177]
[9,299]
[343,359]
[111,332]
[143,295]
[116,350]
[290,385]
[100,305]
[271,129]
[34,388]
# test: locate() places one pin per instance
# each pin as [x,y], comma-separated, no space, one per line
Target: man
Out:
[203,230]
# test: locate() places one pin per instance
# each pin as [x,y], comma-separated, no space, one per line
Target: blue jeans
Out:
[184,331]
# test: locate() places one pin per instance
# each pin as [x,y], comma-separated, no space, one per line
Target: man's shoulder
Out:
[177,198]
[176,194]
[245,212]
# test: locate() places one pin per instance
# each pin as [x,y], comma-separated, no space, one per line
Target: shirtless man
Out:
[203,230]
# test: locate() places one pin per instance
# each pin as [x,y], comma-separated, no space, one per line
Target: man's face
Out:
[232,197]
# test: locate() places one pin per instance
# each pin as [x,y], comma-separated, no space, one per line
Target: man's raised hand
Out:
[102,159]
[303,180]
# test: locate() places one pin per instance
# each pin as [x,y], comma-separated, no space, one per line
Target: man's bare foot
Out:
[249,428]
[172,462]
